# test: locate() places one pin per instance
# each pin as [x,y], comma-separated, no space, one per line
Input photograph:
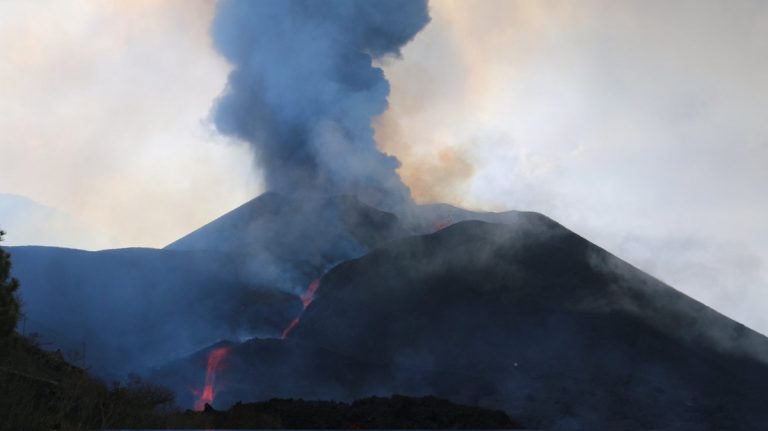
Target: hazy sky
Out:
[640,125]
[103,117]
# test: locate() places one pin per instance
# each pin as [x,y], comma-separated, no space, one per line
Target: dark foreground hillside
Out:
[40,390]
[396,412]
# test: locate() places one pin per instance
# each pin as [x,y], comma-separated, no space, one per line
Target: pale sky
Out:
[640,125]
[103,116]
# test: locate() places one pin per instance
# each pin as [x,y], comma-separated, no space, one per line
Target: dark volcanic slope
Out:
[527,317]
[532,263]
[536,319]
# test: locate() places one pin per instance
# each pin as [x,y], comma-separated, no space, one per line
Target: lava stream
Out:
[209,391]
[306,299]
[309,295]
[290,326]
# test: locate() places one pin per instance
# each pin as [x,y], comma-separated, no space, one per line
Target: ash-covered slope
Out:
[528,317]
[314,221]
[292,240]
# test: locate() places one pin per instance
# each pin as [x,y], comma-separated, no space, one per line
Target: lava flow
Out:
[306,299]
[209,391]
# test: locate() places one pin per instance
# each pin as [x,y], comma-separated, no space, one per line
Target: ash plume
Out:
[304,90]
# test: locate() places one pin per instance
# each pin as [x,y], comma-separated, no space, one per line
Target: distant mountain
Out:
[30,223]
[527,317]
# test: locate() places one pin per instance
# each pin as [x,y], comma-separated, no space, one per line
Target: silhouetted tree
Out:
[9,305]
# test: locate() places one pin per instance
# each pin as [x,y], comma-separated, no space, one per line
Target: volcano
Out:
[507,311]
[517,313]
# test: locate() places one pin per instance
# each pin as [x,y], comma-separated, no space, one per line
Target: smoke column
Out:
[304,89]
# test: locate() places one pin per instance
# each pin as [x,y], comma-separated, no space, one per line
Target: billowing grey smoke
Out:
[304,89]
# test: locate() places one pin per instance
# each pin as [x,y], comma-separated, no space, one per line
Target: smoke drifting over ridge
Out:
[304,89]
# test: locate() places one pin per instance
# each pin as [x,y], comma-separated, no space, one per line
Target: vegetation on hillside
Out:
[9,304]
[41,390]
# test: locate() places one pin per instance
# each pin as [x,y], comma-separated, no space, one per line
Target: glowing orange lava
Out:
[309,295]
[306,299]
[442,224]
[209,391]
[290,326]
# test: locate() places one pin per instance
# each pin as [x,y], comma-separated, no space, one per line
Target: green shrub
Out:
[9,304]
